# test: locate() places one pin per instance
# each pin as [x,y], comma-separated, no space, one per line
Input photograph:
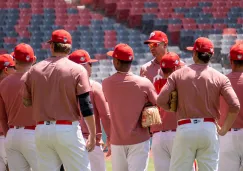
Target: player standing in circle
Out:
[162,140]
[231,147]
[7,67]
[16,120]
[199,88]
[58,89]
[158,45]
[127,94]
[101,111]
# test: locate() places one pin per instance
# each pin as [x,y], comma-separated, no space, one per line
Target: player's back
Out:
[54,93]
[127,94]
[199,87]
[236,79]
[11,93]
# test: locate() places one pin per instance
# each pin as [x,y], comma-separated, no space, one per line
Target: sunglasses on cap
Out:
[154,45]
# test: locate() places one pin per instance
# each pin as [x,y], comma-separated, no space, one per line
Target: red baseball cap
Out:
[170,60]
[122,52]
[202,44]
[61,36]
[6,60]
[24,52]
[236,52]
[157,37]
[80,57]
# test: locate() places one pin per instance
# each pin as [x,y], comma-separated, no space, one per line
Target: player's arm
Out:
[142,70]
[103,109]
[232,100]
[27,99]
[3,117]
[163,99]
[86,107]
[152,95]
[87,112]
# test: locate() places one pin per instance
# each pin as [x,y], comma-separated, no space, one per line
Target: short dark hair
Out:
[205,56]
[125,62]
[238,63]
[167,70]
[62,48]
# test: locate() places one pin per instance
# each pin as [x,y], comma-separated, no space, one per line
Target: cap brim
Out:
[110,53]
[151,41]
[93,60]
[190,48]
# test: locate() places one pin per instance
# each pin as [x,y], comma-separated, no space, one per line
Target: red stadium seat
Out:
[219,26]
[229,31]
[205,26]
[240,20]
[188,21]
[174,27]
[177,15]
[164,15]
[151,10]
[10,40]
[190,4]
[190,26]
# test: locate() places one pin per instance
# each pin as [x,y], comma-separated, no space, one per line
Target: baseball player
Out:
[127,94]
[101,111]
[199,88]
[16,120]
[162,140]
[231,145]
[58,89]
[7,67]
[158,44]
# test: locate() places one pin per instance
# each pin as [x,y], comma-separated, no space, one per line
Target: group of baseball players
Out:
[51,112]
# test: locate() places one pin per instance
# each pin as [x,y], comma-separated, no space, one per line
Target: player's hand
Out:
[91,142]
[221,131]
[108,146]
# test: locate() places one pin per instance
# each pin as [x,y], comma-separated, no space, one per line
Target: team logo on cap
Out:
[65,39]
[239,56]
[27,58]
[82,59]
[152,34]
[130,57]
[163,64]
[211,50]
[176,62]
[6,64]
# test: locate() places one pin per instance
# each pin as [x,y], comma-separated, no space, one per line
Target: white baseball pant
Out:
[61,144]
[231,151]
[3,157]
[97,159]
[197,140]
[130,157]
[21,149]
[162,143]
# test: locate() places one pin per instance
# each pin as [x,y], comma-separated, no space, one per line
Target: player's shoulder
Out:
[142,81]
[95,84]
[147,64]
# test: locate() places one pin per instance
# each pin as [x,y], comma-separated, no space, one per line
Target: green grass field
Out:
[150,166]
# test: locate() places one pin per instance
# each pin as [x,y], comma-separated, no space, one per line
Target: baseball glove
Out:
[173,101]
[150,116]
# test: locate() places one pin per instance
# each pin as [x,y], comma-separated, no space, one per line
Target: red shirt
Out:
[169,121]
[101,112]
[199,88]
[53,85]
[127,95]
[12,110]
[236,79]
